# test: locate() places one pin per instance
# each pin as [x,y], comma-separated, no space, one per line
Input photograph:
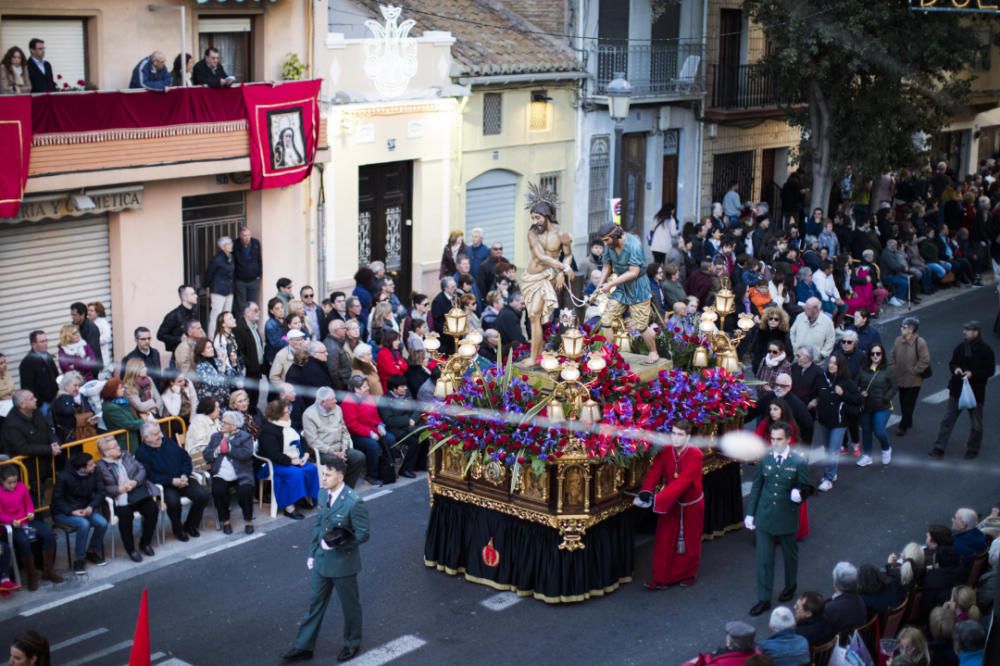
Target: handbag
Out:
[966,399]
[139,493]
[928,371]
[855,653]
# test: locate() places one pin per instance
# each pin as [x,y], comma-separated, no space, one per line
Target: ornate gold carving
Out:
[494,472]
[572,530]
[573,487]
[532,485]
[607,480]
[453,464]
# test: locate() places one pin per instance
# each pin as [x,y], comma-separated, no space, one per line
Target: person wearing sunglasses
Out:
[878,386]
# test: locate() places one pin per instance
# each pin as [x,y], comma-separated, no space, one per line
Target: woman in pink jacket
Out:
[17,511]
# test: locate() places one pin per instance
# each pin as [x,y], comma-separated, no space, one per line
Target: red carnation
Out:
[65,85]
[81,82]
[59,76]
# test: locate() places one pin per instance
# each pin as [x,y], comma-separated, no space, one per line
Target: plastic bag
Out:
[855,653]
[966,399]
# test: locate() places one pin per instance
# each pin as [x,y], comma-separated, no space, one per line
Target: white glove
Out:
[639,503]
[796,496]
[309,564]
[748,523]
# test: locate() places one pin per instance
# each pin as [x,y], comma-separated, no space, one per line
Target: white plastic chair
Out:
[9,534]
[689,72]
[113,523]
[270,480]
[161,502]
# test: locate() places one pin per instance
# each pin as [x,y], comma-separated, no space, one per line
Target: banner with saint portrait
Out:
[283,126]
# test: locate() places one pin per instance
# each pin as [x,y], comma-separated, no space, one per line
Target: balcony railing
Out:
[740,87]
[675,68]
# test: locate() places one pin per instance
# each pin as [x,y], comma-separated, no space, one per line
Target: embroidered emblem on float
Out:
[491,556]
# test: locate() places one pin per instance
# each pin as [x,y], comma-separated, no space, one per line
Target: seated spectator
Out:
[230,454]
[75,354]
[124,480]
[494,304]
[415,336]
[309,372]
[400,418]
[209,72]
[366,427]
[240,402]
[784,646]
[879,590]
[986,586]
[214,377]
[298,343]
[490,348]
[76,501]
[941,629]
[970,643]
[295,478]
[911,649]
[420,378]
[17,511]
[141,391]
[168,465]
[180,398]
[204,424]
[117,414]
[939,539]
[362,366]
[967,539]
[390,362]
[940,578]
[810,621]
[673,287]
[151,73]
[908,566]
[739,647]
[845,611]
[324,429]
[990,525]
[71,414]
[27,433]
[287,393]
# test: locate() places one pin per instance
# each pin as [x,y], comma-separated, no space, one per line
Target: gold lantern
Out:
[444,387]
[570,372]
[475,337]
[572,343]
[700,358]
[455,321]
[466,349]
[590,412]
[432,343]
[596,363]
[745,322]
[729,360]
[725,300]
[549,362]
[556,413]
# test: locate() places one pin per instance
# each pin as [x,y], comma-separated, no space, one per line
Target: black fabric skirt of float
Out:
[526,555]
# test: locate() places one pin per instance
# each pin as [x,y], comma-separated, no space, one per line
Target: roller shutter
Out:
[45,267]
[65,46]
[490,204]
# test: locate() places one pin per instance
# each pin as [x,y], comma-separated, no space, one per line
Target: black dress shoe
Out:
[227,529]
[786,594]
[294,515]
[901,431]
[180,535]
[135,556]
[348,653]
[147,551]
[936,453]
[760,607]
[296,654]
[969,455]
[408,475]
[248,528]
[654,587]
[192,531]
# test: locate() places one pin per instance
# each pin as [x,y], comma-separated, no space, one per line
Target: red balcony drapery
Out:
[15,146]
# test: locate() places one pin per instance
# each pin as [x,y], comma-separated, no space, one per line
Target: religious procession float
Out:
[532,471]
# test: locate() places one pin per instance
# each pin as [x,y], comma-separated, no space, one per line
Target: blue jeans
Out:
[44,535]
[82,526]
[873,423]
[898,283]
[832,439]
[937,270]
[372,449]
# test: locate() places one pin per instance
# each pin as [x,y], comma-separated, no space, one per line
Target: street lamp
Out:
[619,93]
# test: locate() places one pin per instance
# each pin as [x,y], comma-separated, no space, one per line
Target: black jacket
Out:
[202,75]
[150,360]
[38,375]
[396,416]
[508,325]
[977,357]
[806,382]
[816,630]
[845,614]
[271,444]
[248,261]
[306,379]
[172,327]
[441,304]
[90,334]
[41,82]
[832,409]
[248,347]
[338,363]
[416,375]
[219,275]
[75,491]
[27,436]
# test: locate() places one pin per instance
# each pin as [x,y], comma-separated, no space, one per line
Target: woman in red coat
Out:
[389,359]
[681,508]
[779,410]
[368,432]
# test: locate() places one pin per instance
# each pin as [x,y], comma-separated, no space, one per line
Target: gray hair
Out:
[105,442]
[376,266]
[805,272]
[324,393]
[781,619]
[994,556]
[845,577]
[911,322]
[316,347]
[148,428]
[447,282]
[867,255]
[969,636]
[68,377]
[814,302]
[491,333]
[284,388]
[967,517]
[234,418]
[249,305]
[849,335]
[21,396]
[361,349]
[223,241]
[356,382]
[808,350]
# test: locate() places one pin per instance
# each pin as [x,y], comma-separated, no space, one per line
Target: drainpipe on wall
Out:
[321,234]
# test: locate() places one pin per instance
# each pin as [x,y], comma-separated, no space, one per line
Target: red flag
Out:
[140,655]
[15,146]
[283,127]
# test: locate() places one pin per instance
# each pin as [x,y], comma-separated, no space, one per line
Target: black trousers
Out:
[244,494]
[172,498]
[149,511]
[907,403]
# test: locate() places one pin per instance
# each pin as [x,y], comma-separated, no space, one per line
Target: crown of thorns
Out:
[541,194]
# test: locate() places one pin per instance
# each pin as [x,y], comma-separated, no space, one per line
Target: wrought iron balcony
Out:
[739,87]
[670,69]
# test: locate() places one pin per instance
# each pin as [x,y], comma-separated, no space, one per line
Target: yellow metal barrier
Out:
[170,420]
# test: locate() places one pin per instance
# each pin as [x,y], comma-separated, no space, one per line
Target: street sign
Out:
[966,6]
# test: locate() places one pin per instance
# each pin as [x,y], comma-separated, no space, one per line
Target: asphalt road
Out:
[240,606]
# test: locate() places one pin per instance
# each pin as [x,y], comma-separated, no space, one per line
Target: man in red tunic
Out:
[681,505]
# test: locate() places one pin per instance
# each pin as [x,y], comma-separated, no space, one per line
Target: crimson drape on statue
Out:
[283,128]
[15,146]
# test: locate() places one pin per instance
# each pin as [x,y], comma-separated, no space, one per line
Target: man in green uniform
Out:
[782,482]
[341,526]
